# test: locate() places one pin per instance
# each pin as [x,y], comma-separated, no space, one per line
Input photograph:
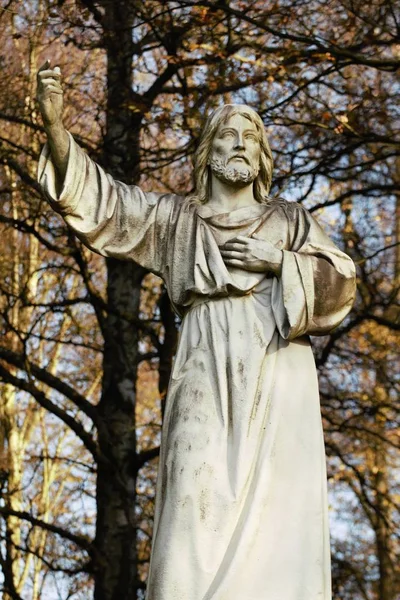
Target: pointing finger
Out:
[44,66]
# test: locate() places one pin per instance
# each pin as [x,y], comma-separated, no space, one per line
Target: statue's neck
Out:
[226,197]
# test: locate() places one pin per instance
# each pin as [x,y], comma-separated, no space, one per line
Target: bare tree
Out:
[87,345]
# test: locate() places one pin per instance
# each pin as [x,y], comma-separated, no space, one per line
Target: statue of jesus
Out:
[241,509]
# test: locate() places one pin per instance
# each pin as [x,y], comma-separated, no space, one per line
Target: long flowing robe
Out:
[241,508]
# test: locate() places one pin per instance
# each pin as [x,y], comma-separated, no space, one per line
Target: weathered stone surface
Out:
[241,501]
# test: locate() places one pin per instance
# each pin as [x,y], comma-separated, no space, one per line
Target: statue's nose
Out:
[239,143]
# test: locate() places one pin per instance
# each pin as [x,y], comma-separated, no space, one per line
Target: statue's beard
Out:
[243,174]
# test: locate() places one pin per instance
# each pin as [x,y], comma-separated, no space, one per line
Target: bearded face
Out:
[235,152]
[231,173]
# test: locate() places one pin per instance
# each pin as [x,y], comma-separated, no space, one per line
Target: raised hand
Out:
[252,254]
[50,94]
[50,98]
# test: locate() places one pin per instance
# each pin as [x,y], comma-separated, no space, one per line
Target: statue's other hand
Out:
[50,94]
[252,254]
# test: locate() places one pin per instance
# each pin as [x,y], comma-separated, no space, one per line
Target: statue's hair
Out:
[201,171]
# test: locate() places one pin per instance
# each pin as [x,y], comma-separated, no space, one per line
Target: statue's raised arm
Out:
[110,217]
[50,99]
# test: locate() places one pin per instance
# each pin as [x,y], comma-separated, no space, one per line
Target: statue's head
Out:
[207,161]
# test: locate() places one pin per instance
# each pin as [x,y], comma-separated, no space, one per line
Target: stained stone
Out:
[241,509]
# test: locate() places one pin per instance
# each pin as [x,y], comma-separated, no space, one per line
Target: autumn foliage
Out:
[87,344]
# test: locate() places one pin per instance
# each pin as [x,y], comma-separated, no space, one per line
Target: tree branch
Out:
[79,540]
[145,456]
[25,227]
[321,46]
[20,361]
[42,399]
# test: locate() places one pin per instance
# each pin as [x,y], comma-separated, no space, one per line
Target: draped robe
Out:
[241,506]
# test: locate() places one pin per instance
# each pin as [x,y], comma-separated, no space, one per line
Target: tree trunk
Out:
[115,545]
[382,531]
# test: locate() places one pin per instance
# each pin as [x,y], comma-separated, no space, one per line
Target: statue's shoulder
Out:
[291,210]
[161,197]
[166,203]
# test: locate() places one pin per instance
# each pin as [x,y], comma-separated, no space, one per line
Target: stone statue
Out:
[241,510]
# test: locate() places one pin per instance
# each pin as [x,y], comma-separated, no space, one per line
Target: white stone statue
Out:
[241,510]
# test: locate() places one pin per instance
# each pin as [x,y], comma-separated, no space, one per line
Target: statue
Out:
[241,510]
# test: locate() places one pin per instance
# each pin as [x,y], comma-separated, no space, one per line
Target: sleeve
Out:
[111,218]
[317,286]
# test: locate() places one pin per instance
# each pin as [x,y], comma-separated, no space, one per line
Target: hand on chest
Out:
[248,241]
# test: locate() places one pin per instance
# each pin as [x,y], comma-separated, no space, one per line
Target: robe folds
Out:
[241,507]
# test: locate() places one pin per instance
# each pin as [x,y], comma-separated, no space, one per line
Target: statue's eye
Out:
[227,134]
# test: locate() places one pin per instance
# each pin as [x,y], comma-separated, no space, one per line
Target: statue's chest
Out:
[274,230]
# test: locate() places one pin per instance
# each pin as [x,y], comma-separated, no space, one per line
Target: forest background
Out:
[87,344]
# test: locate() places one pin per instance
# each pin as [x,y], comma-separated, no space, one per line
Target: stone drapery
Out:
[241,509]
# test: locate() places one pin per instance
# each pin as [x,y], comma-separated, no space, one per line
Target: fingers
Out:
[233,246]
[47,76]
[235,262]
[50,81]
[240,239]
[245,245]
[256,266]
[228,254]
[52,74]
[52,89]
[237,243]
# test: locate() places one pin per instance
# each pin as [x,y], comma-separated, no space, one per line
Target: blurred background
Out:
[87,344]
